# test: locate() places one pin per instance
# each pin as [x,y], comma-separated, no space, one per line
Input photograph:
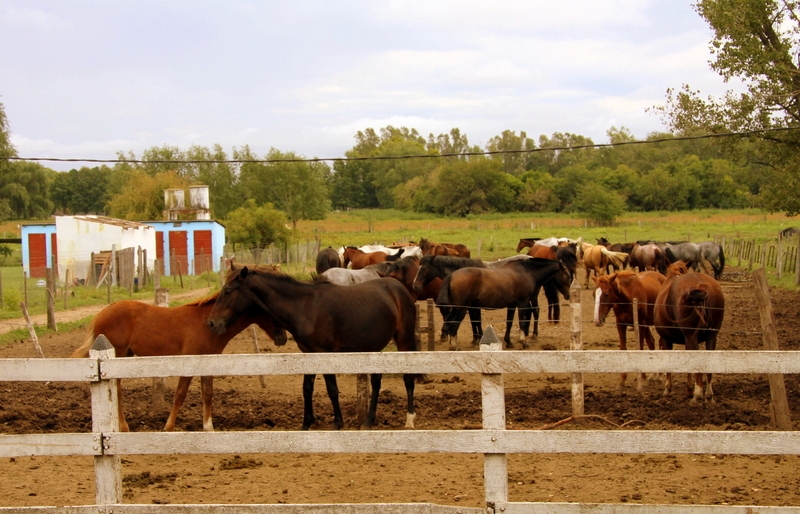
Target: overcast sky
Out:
[84,79]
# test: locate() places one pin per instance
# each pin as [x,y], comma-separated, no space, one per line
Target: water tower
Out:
[174,204]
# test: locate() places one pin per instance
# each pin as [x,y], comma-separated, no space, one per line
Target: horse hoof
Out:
[525,346]
[509,344]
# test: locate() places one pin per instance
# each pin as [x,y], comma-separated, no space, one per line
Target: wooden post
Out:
[779,259]
[222,271]
[576,343]
[1,289]
[750,255]
[797,264]
[31,329]
[157,403]
[255,346]
[105,418]
[180,274]
[50,299]
[139,268]
[495,465]
[431,325]
[780,404]
[91,278]
[66,288]
[190,274]
[25,287]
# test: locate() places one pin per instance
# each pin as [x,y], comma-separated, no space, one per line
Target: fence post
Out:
[576,343]
[105,418]
[50,276]
[779,408]
[750,254]
[779,259]
[157,403]
[495,465]
[797,264]
[431,325]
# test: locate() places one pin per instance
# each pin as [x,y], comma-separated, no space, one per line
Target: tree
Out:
[474,187]
[298,188]
[224,190]
[83,191]
[598,204]
[755,42]
[25,190]
[142,197]
[513,163]
[256,226]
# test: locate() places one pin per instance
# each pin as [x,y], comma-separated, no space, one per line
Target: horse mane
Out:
[203,301]
[405,262]
[568,258]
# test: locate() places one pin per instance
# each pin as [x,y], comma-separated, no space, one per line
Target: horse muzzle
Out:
[218,327]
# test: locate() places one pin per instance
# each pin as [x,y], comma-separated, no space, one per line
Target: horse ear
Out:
[243,273]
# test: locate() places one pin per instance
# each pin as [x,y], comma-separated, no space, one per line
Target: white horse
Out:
[348,277]
[407,250]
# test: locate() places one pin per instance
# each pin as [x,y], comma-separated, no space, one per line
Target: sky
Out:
[89,79]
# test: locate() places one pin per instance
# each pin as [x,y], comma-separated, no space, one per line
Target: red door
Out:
[160,251]
[37,255]
[178,253]
[202,251]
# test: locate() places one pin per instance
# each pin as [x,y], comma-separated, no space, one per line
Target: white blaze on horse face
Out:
[597,294]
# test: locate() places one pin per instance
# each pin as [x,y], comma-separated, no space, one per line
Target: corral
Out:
[449,401]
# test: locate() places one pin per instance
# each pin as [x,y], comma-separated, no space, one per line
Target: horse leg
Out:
[526,310]
[408,380]
[477,328]
[207,393]
[375,384]
[123,424]
[646,337]
[453,322]
[663,345]
[180,396]
[445,311]
[308,405]
[711,344]
[333,394]
[691,344]
[509,324]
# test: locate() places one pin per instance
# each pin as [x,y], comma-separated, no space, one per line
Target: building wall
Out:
[163,229]
[48,229]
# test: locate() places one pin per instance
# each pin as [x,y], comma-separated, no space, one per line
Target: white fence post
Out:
[105,418]
[495,465]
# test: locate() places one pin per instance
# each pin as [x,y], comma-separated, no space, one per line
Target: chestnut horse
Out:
[455,250]
[325,317]
[137,328]
[689,310]
[617,291]
[597,258]
[360,259]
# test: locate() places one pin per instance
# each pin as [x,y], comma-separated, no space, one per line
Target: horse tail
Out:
[616,258]
[83,350]
[444,292]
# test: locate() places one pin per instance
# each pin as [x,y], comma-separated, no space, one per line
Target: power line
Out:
[388,157]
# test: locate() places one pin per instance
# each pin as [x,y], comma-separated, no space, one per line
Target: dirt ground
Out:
[447,402]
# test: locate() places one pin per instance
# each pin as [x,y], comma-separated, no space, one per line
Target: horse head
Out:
[605,295]
[233,299]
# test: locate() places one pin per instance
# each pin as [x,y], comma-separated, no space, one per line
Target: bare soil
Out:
[447,402]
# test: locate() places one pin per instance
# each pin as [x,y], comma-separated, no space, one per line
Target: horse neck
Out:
[280,298]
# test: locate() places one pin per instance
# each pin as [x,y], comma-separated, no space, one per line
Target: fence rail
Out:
[107,444]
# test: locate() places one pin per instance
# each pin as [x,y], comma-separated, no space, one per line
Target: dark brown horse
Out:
[327,259]
[454,250]
[405,270]
[325,317]
[137,328]
[617,291]
[689,310]
[514,285]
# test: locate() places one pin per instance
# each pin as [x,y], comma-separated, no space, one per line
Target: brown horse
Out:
[513,285]
[327,259]
[647,257]
[597,258]
[325,317]
[689,310]
[405,270]
[137,328]
[358,259]
[617,291]
[454,250]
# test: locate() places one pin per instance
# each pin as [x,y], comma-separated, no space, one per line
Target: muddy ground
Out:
[447,402]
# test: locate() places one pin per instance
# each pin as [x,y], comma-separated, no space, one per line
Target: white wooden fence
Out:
[107,445]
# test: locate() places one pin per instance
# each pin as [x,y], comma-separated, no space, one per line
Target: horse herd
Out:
[360,299]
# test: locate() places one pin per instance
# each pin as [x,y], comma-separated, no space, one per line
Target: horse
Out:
[405,250]
[713,253]
[597,258]
[530,242]
[455,250]
[360,259]
[647,257]
[348,277]
[789,232]
[617,291]
[514,285]
[405,271]
[324,317]
[616,247]
[689,310]
[137,328]
[327,259]
[687,252]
